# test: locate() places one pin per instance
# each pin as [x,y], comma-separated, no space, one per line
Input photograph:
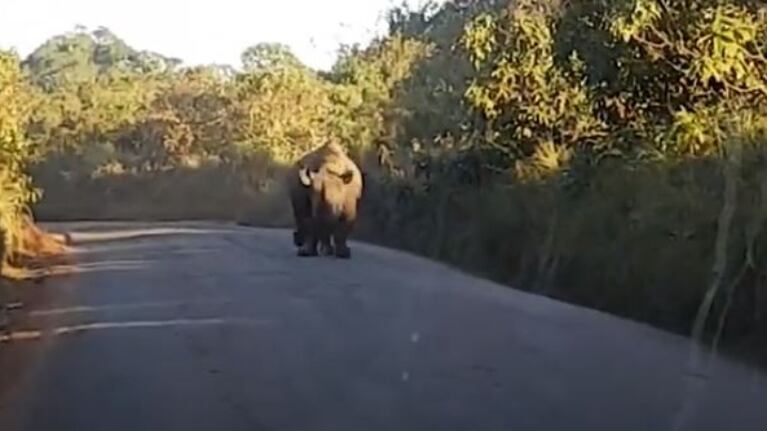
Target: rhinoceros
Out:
[325,189]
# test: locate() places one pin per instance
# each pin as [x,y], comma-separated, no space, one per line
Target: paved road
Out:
[212,327]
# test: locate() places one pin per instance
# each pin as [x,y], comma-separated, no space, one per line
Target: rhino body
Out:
[325,189]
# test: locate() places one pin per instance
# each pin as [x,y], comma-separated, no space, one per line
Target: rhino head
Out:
[329,187]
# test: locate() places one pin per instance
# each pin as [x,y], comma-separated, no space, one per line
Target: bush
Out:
[16,190]
[636,240]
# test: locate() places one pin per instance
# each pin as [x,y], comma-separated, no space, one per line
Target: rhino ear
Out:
[347,177]
[305,176]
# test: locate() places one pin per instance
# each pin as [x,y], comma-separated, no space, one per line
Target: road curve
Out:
[202,326]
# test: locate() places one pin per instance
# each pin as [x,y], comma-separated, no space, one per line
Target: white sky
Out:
[201,31]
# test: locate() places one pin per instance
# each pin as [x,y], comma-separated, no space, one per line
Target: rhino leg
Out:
[323,231]
[298,238]
[326,248]
[343,252]
[301,233]
[340,236]
[344,227]
[302,212]
[309,246]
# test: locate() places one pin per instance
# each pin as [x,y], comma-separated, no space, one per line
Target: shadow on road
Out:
[113,235]
[91,243]
[105,266]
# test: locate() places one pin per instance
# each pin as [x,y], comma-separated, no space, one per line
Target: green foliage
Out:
[431,101]
[370,85]
[542,110]
[266,57]
[282,111]
[16,191]
[81,56]
[185,121]
[688,63]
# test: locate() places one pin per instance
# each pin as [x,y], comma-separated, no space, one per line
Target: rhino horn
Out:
[305,176]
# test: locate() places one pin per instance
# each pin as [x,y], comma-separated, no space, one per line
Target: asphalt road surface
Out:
[214,327]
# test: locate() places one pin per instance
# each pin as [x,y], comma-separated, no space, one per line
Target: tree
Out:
[537,110]
[269,56]
[283,111]
[370,83]
[188,120]
[80,57]
[16,191]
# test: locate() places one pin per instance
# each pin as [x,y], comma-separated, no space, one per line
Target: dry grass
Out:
[37,253]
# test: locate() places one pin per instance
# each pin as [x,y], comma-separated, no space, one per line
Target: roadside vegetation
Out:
[22,244]
[608,153]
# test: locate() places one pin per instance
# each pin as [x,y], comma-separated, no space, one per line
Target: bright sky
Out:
[201,31]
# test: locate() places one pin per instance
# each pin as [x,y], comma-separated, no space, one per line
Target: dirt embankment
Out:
[37,252]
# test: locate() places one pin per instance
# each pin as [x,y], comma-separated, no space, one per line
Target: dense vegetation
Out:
[610,153]
[16,191]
